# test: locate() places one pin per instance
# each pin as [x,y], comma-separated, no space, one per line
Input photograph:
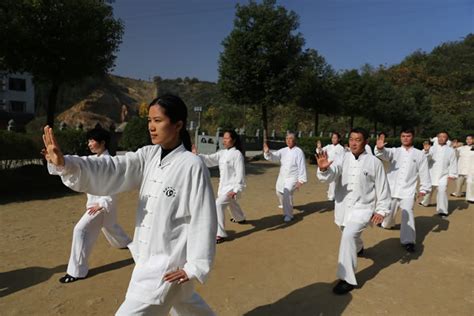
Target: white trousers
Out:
[470,188]
[194,306]
[222,202]
[441,197]
[286,200]
[331,191]
[459,184]
[350,245]
[407,224]
[84,236]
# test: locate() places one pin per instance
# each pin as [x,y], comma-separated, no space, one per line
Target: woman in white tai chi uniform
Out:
[333,150]
[362,197]
[175,227]
[464,163]
[292,172]
[406,165]
[101,214]
[232,180]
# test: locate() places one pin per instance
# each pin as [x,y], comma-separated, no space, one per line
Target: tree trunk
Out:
[352,122]
[264,122]
[52,99]
[316,123]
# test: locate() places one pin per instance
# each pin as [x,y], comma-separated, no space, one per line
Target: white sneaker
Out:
[280,206]
[287,219]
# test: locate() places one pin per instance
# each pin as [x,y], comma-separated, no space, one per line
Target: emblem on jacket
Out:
[366,173]
[169,192]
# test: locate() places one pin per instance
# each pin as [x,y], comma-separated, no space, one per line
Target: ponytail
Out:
[185,138]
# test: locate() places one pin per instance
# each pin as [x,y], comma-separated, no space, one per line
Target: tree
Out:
[315,88]
[349,85]
[262,56]
[58,41]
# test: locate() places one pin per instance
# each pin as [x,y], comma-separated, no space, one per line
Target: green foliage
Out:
[58,41]
[18,146]
[72,142]
[262,56]
[135,134]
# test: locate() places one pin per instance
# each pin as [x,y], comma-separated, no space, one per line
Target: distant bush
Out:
[16,146]
[72,142]
[135,134]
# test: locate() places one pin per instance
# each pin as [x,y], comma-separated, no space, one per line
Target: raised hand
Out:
[319,147]
[266,149]
[381,142]
[426,146]
[51,151]
[323,161]
[194,149]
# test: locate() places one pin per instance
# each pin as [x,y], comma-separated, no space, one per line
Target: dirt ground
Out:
[268,268]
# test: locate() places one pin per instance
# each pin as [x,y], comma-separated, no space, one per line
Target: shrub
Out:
[135,134]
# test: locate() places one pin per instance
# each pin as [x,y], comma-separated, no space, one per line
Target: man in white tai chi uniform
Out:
[443,166]
[406,165]
[464,162]
[292,172]
[362,197]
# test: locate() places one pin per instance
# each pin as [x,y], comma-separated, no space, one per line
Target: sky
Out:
[179,38]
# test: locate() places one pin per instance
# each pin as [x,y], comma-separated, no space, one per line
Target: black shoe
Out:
[442,215]
[238,222]
[361,252]
[409,247]
[220,240]
[421,204]
[342,287]
[69,279]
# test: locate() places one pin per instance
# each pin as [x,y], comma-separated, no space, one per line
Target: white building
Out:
[17,93]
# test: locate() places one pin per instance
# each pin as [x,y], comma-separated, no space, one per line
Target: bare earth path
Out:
[269,268]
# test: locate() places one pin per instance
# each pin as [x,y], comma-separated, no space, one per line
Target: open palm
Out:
[51,151]
[323,161]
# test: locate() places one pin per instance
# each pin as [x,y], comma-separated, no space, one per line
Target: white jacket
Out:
[442,163]
[292,169]
[361,188]
[405,167]
[176,217]
[107,202]
[464,159]
[333,151]
[231,169]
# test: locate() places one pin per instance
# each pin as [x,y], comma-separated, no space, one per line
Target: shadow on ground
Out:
[17,280]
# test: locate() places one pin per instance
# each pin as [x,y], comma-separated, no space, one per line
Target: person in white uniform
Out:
[406,164]
[333,150]
[101,214]
[292,172]
[362,197]
[231,182]
[464,162]
[175,228]
[470,177]
[443,167]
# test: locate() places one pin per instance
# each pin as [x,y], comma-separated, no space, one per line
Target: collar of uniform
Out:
[105,153]
[231,148]
[362,155]
[170,156]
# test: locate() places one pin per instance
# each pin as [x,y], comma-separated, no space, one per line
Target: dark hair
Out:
[444,132]
[469,135]
[360,130]
[99,135]
[176,110]
[336,133]
[408,130]
[382,133]
[236,138]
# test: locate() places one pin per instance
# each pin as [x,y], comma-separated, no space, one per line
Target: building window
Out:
[17,106]
[17,84]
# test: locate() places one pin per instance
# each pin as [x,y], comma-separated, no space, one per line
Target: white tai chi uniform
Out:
[333,151]
[232,179]
[361,190]
[292,170]
[463,153]
[175,224]
[470,178]
[87,230]
[405,167]
[442,164]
